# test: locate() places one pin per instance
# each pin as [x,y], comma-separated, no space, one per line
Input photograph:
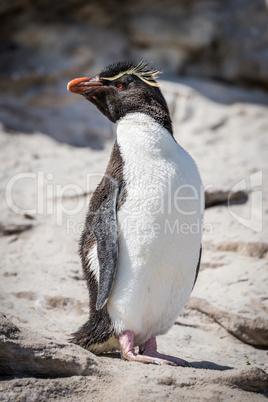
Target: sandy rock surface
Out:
[222,331]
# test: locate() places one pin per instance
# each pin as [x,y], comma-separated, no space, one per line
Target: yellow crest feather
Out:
[139,70]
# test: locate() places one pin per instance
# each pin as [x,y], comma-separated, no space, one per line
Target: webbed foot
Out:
[147,352]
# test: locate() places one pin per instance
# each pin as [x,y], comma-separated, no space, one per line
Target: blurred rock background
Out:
[214,57]
[45,43]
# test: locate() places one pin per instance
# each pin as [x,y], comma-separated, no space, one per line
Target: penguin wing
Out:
[104,228]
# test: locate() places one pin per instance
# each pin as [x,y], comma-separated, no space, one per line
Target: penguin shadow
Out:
[206,365]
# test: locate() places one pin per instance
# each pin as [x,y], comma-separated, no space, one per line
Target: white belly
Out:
[160,229]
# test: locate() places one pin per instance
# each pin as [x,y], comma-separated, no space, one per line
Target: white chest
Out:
[160,227]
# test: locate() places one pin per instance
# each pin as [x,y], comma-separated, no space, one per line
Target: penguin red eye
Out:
[119,85]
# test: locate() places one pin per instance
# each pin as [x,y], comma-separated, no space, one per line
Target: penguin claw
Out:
[169,363]
[173,363]
[162,362]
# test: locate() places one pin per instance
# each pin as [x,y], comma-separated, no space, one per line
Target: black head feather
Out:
[116,68]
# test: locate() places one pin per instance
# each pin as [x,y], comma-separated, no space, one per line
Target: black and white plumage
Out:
[141,245]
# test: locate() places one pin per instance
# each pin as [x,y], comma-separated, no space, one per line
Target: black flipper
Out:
[104,227]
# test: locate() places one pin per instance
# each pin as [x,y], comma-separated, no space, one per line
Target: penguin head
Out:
[124,88]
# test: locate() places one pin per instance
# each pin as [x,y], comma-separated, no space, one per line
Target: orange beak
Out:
[83,85]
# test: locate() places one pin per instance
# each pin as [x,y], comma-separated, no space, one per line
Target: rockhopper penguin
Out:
[141,245]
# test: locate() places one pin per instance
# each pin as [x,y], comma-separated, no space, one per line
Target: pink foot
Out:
[149,348]
[148,352]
